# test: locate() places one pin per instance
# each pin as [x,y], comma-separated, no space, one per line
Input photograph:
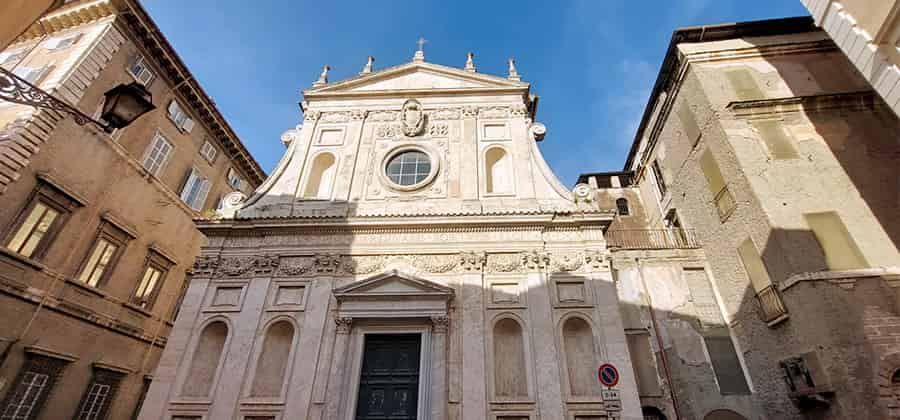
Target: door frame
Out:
[358,336]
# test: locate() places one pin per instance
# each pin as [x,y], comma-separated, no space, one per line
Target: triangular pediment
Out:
[417,77]
[393,284]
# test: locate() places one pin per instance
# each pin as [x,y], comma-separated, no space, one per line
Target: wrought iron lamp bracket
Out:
[15,89]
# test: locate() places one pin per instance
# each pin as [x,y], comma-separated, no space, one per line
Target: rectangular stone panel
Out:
[505,292]
[570,292]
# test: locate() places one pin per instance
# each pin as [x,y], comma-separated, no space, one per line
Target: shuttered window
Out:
[180,117]
[753,264]
[743,85]
[726,365]
[140,70]
[776,139]
[157,154]
[195,190]
[689,123]
[841,252]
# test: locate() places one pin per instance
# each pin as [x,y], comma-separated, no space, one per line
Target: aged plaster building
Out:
[412,256]
[96,229]
[762,143]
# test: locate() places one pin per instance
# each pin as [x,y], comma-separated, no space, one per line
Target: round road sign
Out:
[608,375]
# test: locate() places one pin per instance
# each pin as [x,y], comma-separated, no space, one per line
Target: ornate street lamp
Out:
[123,104]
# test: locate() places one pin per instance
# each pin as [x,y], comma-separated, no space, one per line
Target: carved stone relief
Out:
[343,265]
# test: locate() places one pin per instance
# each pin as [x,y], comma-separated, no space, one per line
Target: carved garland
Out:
[341,265]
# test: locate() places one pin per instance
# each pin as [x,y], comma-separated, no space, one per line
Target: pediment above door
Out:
[393,294]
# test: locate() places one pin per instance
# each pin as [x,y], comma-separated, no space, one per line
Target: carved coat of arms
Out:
[412,118]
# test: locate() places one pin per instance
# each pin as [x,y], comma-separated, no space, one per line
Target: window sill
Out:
[138,309]
[22,259]
[87,287]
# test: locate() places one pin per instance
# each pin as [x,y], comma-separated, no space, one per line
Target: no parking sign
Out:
[608,375]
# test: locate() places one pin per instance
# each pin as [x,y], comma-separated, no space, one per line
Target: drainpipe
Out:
[662,349]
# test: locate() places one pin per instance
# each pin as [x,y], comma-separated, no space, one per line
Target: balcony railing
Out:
[652,239]
[771,307]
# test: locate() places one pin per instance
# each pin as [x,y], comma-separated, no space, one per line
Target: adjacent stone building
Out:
[96,228]
[411,257]
[868,32]
[755,246]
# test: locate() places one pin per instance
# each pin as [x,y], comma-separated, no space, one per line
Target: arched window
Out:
[510,378]
[498,171]
[272,364]
[321,177]
[578,343]
[206,359]
[622,207]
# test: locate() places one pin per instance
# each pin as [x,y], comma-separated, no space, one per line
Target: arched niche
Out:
[723,414]
[581,357]
[272,364]
[320,179]
[206,359]
[498,171]
[510,372]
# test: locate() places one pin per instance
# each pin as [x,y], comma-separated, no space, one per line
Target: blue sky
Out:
[593,63]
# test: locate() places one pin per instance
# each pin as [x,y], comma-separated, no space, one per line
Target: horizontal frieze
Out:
[335,264]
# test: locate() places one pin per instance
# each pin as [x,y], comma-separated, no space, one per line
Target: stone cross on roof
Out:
[420,52]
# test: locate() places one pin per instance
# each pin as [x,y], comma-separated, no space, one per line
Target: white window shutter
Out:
[187,125]
[188,184]
[174,108]
[201,197]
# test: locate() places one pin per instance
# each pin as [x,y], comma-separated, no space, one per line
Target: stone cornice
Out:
[294,226]
[861,100]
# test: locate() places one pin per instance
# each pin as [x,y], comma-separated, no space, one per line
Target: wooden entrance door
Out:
[389,382]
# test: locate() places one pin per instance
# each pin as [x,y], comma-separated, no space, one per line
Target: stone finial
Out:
[420,52]
[470,62]
[323,77]
[368,67]
[513,73]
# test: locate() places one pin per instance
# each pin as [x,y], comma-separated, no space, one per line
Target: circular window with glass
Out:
[409,169]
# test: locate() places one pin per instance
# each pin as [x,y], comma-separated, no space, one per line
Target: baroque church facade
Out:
[412,256]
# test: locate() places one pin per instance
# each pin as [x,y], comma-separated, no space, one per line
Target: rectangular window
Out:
[148,288]
[32,75]
[726,364]
[26,397]
[234,179]
[180,117]
[157,154]
[754,266]
[643,361]
[12,57]
[208,151]
[660,181]
[34,229]
[841,251]
[99,394]
[140,70]
[722,198]
[689,123]
[776,139]
[61,42]
[108,246]
[195,190]
[100,259]
[743,84]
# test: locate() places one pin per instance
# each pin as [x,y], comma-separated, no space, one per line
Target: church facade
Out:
[411,257]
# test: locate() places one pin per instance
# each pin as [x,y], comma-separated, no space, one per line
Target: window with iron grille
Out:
[99,394]
[33,384]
